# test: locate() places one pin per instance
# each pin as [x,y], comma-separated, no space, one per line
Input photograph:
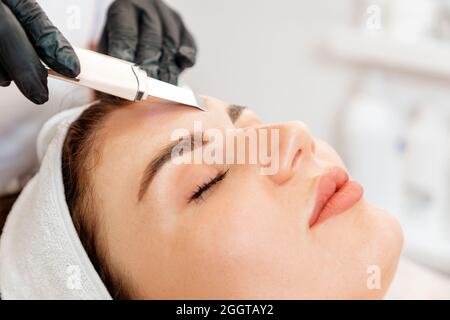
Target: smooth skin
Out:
[249,237]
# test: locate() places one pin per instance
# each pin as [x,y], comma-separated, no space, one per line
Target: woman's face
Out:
[245,236]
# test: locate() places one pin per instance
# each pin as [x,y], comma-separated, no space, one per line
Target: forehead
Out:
[160,119]
[135,133]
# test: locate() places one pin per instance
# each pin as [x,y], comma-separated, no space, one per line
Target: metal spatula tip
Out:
[201,104]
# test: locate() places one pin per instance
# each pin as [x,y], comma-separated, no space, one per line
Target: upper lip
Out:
[336,193]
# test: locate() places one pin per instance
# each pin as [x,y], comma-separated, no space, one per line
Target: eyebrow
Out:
[234,112]
[164,155]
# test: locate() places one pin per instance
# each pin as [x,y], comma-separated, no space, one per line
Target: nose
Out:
[295,145]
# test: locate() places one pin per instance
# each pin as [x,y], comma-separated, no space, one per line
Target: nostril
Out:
[296,158]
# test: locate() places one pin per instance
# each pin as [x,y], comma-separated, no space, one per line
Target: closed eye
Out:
[202,189]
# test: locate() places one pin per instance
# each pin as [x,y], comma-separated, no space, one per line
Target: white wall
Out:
[262,53]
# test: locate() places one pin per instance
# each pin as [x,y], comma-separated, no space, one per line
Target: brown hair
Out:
[78,160]
[6,203]
[79,157]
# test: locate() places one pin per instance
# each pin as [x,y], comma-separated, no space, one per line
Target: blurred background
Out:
[371,77]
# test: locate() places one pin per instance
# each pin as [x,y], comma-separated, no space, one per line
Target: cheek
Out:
[235,233]
[240,250]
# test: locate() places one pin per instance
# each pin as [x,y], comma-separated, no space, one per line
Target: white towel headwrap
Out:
[41,255]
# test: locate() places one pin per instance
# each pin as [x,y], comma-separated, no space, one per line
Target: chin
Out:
[358,241]
[384,245]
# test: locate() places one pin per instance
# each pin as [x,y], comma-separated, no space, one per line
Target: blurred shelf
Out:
[426,57]
[425,241]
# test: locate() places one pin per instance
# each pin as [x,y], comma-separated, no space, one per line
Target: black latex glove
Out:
[150,34]
[26,34]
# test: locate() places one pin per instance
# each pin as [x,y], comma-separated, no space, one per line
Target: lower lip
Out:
[342,200]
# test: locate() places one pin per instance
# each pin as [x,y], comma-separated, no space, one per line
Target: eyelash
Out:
[201,189]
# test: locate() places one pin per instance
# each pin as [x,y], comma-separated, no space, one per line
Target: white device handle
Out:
[108,75]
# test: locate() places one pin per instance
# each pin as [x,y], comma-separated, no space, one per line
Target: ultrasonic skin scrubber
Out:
[125,80]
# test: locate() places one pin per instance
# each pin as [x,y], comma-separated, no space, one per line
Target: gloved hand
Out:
[150,34]
[26,34]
